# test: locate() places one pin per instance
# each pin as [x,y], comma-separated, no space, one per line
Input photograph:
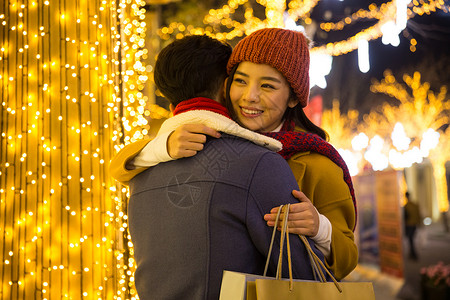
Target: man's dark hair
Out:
[194,66]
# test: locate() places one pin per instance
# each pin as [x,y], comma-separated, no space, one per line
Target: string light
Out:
[397,135]
[219,19]
[421,112]
[67,69]
[401,135]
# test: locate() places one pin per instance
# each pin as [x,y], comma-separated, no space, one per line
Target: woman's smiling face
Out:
[260,96]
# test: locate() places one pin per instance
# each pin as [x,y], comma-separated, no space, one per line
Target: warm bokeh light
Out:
[219,23]
[439,156]
[412,130]
[396,136]
[341,128]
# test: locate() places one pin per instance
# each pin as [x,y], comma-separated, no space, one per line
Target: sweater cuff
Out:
[153,153]
[323,236]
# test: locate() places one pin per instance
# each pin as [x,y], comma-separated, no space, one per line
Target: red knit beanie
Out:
[285,50]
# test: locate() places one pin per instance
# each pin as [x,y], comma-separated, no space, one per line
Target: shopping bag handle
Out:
[284,233]
[272,240]
[319,264]
[316,264]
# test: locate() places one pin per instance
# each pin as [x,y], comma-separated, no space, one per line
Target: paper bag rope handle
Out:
[284,233]
[316,264]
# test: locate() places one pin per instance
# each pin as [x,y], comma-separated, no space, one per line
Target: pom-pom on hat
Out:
[283,49]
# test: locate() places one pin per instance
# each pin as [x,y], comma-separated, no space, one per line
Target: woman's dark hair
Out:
[228,103]
[295,114]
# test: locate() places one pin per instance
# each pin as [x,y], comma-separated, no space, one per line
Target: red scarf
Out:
[201,103]
[298,141]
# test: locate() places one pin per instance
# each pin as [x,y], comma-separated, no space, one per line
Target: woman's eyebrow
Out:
[262,78]
[241,73]
[271,79]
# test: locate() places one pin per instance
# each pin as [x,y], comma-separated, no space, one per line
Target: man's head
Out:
[194,66]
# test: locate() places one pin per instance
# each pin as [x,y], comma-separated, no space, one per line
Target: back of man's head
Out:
[194,66]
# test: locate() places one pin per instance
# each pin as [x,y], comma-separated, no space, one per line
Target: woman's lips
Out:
[250,112]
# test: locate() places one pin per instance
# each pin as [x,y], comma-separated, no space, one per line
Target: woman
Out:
[266,91]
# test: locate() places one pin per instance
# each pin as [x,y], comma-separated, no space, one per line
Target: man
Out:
[192,218]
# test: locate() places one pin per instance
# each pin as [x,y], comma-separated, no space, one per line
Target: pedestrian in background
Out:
[412,219]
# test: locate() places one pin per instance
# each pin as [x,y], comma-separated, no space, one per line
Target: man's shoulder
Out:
[240,154]
[236,145]
[228,159]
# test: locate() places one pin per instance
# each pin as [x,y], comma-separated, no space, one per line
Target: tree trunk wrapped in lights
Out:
[65,69]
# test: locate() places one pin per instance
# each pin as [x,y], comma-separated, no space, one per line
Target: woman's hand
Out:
[303,216]
[188,139]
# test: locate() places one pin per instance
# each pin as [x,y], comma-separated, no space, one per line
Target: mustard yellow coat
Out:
[322,182]
[318,178]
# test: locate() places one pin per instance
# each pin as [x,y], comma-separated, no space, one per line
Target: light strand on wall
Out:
[65,67]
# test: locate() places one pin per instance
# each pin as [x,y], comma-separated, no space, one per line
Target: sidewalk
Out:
[386,287]
[433,245]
